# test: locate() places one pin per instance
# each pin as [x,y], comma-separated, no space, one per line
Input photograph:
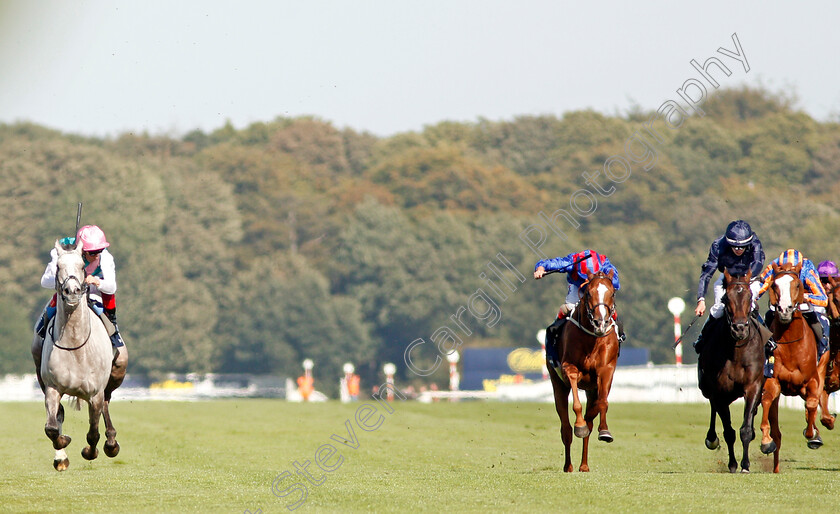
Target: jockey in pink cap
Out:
[100,276]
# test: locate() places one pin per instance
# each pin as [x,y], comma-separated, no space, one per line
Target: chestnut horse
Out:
[832,374]
[588,350]
[797,372]
[731,366]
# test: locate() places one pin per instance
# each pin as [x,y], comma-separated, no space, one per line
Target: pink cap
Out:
[92,238]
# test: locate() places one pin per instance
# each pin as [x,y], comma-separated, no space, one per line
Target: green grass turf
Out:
[223,456]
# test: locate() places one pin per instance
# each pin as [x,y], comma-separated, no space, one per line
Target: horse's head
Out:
[70,274]
[787,292]
[738,302]
[599,301]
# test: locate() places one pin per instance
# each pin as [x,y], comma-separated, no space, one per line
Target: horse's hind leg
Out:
[95,405]
[111,446]
[589,417]
[775,432]
[118,369]
[561,403]
[712,441]
[55,418]
[826,418]
[728,434]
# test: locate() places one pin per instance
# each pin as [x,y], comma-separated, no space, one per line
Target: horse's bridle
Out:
[727,311]
[589,311]
[73,300]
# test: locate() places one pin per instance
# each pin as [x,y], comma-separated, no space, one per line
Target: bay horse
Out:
[587,347]
[832,374]
[77,359]
[797,372]
[731,366]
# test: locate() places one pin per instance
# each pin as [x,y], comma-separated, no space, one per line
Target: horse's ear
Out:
[611,274]
[727,277]
[833,281]
[749,275]
[797,268]
[776,267]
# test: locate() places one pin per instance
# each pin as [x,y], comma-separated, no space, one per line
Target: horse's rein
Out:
[78,300]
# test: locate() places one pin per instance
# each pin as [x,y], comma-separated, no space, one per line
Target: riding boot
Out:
[46,316]
[767,336]
[116,338]
[621,335]
[820,328]
[701,339]
[551,333]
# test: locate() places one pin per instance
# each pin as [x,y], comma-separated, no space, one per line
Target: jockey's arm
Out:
[48,278]
[108,282]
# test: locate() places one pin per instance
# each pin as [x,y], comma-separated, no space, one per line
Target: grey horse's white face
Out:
[70,274]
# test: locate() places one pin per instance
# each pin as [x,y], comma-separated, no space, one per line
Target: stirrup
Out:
[117,340]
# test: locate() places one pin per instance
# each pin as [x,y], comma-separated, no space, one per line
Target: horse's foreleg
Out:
[752,397]
[728,433]
[561,404]
[573,374]
[95,405]
[55,417]
[768,397]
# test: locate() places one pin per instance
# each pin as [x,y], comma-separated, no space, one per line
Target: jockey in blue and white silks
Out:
[738,251]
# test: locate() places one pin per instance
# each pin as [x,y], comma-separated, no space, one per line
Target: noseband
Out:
[72,299]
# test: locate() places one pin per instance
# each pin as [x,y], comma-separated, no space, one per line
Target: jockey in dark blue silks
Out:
[738,251]
[577,267]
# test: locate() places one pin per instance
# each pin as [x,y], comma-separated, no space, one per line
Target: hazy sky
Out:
[386,66]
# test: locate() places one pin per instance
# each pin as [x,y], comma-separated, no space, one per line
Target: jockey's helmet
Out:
[92,238]
[828,269]
[739,233]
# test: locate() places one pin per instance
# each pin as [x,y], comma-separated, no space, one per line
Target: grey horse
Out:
[77,359]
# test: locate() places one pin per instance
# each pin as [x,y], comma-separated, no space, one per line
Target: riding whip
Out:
[78,219]
[686,331]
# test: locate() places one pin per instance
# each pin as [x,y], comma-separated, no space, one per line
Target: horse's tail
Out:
[75,403]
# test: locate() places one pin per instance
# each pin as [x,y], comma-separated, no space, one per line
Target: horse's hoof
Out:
[828,422]
[768,448]
[605,435]
[582,432]
[111,451]
[61,464]
[713,445]
[745,472]
[90,454]
[815,442]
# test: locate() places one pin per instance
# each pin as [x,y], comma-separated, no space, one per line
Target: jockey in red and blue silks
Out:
[815,298]
[577,267]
